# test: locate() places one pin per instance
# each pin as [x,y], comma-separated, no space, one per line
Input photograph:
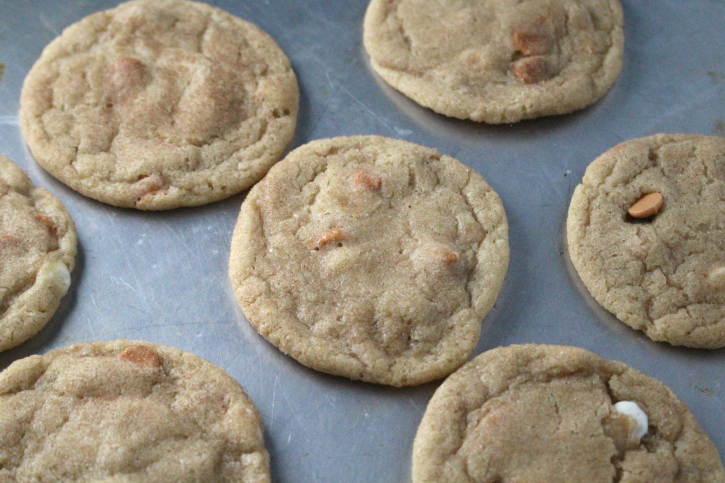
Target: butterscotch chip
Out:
[534,39]
[87,413]
[646,206]
[497,61]
[655,274]
[331,235]
[367,180]
[37,254]
[141,354]
[157,104]
[531,69]
[398,280]
[538,413]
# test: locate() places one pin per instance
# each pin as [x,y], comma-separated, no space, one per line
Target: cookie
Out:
[538,413]
[157,104]
[370,258]
[645,231]
[37,253]
[127,411]
[497,61]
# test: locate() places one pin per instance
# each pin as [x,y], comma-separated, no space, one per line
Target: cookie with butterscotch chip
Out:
[546,413]
[157,104]
[497,61]
[645,232]
[37,253]
[127,411]
[370,258]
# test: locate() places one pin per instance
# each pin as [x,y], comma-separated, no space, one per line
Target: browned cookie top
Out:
[160,103]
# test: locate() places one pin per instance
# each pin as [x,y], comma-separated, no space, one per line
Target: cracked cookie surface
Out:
[127,411]
[370,258]
[157,104]
[37,253]
[497,61]
[546,413]
[663,275]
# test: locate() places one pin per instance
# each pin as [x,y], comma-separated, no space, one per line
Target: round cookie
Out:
[547,413]
[497,61]
[127,411]
[370,258]
[157,104]
[663,274]
[37,253]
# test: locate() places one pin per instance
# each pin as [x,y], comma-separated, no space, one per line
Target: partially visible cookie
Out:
[127,411]
[370,258]
[157,104]
[37,253]
[645,233]
[497,61]
[538,413]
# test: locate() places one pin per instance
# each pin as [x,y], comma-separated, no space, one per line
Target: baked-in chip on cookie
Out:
[157,104]
[127,411]
[37,253]
[645,232]
[540,413]
[497,61]
[370,258]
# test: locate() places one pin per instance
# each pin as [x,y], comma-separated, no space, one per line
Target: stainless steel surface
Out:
[163,276]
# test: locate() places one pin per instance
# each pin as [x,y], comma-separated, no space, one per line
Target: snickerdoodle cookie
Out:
[37,253]
[645,233]
[537,413]
[370,258]
[127,411]
[157,104]
[497,61]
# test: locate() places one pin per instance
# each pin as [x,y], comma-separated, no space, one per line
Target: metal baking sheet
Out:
[163,276]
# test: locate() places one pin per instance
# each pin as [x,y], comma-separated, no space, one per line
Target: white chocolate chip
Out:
[629,408]
[59,273]
[717,276]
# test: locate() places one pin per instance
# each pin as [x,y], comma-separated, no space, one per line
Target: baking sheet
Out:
[163,276]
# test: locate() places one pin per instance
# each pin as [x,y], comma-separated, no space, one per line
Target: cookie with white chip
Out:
[497,61]
[538,413]
[370,258]
[37,253]
[127,411]
[157,104]
[645,231]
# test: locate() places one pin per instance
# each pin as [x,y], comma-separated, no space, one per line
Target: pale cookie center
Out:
[631,409]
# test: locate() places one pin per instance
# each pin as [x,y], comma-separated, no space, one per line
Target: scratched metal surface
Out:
[162,276]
